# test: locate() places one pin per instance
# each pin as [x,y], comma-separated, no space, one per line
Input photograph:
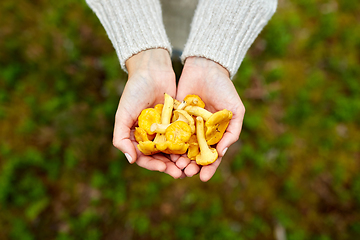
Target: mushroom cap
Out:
[147,117]
[159,107]
[194,100]
[172,148]
[178,132]
[147,148]
[182,115]
[141,135]
[193,150]
[216,126]
[206,159]
[174,141]
[190,100]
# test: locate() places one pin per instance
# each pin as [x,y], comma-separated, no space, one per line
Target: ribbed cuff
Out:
[223,30]
[132,25]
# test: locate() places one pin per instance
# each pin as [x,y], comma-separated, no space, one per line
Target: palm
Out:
[216,89]
[145,88]
[218,92]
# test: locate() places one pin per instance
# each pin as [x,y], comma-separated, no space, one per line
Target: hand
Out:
[211,82]
[150,76]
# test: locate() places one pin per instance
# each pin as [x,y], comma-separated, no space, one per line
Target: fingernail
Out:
[224,151]
[128,157]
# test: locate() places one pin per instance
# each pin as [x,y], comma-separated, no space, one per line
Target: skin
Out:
[150,76]
[212,83]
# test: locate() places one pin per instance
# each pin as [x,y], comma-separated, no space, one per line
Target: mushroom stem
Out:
[207,155]
[199,112]
[182,105]
[182,115]
[159,128]
[167,109]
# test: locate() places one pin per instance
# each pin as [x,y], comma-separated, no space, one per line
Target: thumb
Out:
[122,141]
[232,133]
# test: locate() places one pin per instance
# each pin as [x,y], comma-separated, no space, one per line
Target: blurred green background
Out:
[294,174]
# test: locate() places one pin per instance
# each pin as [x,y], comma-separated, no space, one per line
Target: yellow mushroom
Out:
[176,137]
[216,123]
[174,132]
[193,150]
[207,155]
[198,112]
[176,103]
[147,117]
[191,100]
[182,115]
[178,132]
[165,120]
[159,128]
[216,126]
[159,107]
[142,136]
[167,109]
[147,148]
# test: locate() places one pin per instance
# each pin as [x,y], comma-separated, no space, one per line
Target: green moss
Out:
[296,163]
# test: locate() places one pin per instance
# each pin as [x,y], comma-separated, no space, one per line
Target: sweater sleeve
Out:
[223,30]
[131,25]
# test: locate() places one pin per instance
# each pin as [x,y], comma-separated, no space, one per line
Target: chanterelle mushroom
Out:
[191,100]
[147,117]
[193,150]
[159,107]
[199,112]
[167,109]
[207,155]
[142,136]
[165,119]
[176,135]
[182,115]
[159,128]
[216,126]
[147,148]
[216,123]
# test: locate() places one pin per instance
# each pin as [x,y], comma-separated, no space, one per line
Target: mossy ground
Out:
[295,169]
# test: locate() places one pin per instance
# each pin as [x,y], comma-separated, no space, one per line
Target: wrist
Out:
[205,65]
[156,59]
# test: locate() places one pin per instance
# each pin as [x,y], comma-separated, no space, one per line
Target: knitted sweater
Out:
[221,30]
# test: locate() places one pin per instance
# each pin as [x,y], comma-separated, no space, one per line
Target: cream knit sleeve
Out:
[223,30]
[131,25]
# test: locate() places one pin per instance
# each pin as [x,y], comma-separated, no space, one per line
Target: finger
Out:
[183,175]
[151,163]
[227,140]
[231,135]
[173,170]
[192,169]
[127,147]
[174,157]
[182,162]
[208,171]
[122,138]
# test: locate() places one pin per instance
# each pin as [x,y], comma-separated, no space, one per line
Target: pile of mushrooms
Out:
[182,127]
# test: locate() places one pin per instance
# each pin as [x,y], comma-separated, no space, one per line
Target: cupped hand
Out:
[211,82]
[150,76]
